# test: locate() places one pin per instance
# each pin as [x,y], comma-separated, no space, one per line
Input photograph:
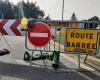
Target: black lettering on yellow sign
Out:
[62,24]
[93,46]
[49,24]
[78,45]
[81,45]
[88,45]
[82,35]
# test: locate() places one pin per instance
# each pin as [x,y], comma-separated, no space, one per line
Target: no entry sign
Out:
[39,35]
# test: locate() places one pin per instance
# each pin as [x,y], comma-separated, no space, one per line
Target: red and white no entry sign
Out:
[40,34]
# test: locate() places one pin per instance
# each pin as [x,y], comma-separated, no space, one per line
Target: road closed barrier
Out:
[68,37]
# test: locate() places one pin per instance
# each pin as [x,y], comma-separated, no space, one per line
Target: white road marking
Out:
[39,34]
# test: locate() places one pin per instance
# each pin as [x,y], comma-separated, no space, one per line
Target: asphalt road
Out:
[12,66]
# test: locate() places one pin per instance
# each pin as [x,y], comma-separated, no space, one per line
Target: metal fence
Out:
[58,29]
[58,42]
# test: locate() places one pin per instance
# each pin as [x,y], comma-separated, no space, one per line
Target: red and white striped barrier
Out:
[11,27]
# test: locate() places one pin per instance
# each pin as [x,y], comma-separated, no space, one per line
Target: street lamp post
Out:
[62,9]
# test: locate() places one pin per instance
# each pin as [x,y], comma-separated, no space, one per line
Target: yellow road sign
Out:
[83,40]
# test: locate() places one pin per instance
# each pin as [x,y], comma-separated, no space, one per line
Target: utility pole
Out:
[62,9]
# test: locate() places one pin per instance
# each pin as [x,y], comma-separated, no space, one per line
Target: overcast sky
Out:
[83,9]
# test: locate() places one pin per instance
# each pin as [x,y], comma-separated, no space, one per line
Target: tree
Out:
[6,10]
[10,11]
[95,18]
[31,10]
[16,12]
[92,25]
[73,17]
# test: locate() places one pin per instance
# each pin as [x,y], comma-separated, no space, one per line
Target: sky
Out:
[83,9]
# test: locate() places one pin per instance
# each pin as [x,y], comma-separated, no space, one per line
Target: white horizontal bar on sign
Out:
[39,34]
